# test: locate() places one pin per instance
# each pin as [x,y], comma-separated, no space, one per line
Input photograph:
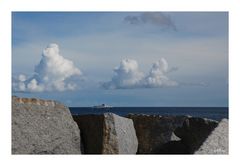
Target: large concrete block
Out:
[43,127]
[217,141]
[107,134]
[154,131]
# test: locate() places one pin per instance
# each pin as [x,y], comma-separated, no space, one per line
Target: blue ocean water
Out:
[216,113]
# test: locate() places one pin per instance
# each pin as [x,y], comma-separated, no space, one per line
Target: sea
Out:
[215,113]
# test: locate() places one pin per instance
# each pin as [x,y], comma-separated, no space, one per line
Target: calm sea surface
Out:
[216,113]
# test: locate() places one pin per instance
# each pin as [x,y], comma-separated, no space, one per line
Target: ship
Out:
[102,106]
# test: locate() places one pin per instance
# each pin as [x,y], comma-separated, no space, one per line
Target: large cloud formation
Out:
[127,76]
[153,18]
[54,72]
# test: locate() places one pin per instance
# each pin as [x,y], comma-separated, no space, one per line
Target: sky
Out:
[121,58]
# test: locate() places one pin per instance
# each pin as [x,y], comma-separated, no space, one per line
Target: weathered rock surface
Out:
[43,127]
[154,131]
[194,132]
[217,141]
[107,134]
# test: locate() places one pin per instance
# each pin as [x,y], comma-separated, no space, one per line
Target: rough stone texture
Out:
[217,141]
[107,134]
[194,132]
[43,127]
[153,131]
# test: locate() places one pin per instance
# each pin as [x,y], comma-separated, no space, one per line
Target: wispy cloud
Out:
[154,18]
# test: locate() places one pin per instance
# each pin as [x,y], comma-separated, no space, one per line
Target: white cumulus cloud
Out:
[127,75]
[157,75]
[54,72]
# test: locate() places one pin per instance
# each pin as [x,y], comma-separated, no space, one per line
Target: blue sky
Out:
[189,50]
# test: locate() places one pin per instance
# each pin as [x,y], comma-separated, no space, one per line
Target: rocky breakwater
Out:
[43,127]
[155,133]
[180,135]
[195,131]
[107,133]
[47,127]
